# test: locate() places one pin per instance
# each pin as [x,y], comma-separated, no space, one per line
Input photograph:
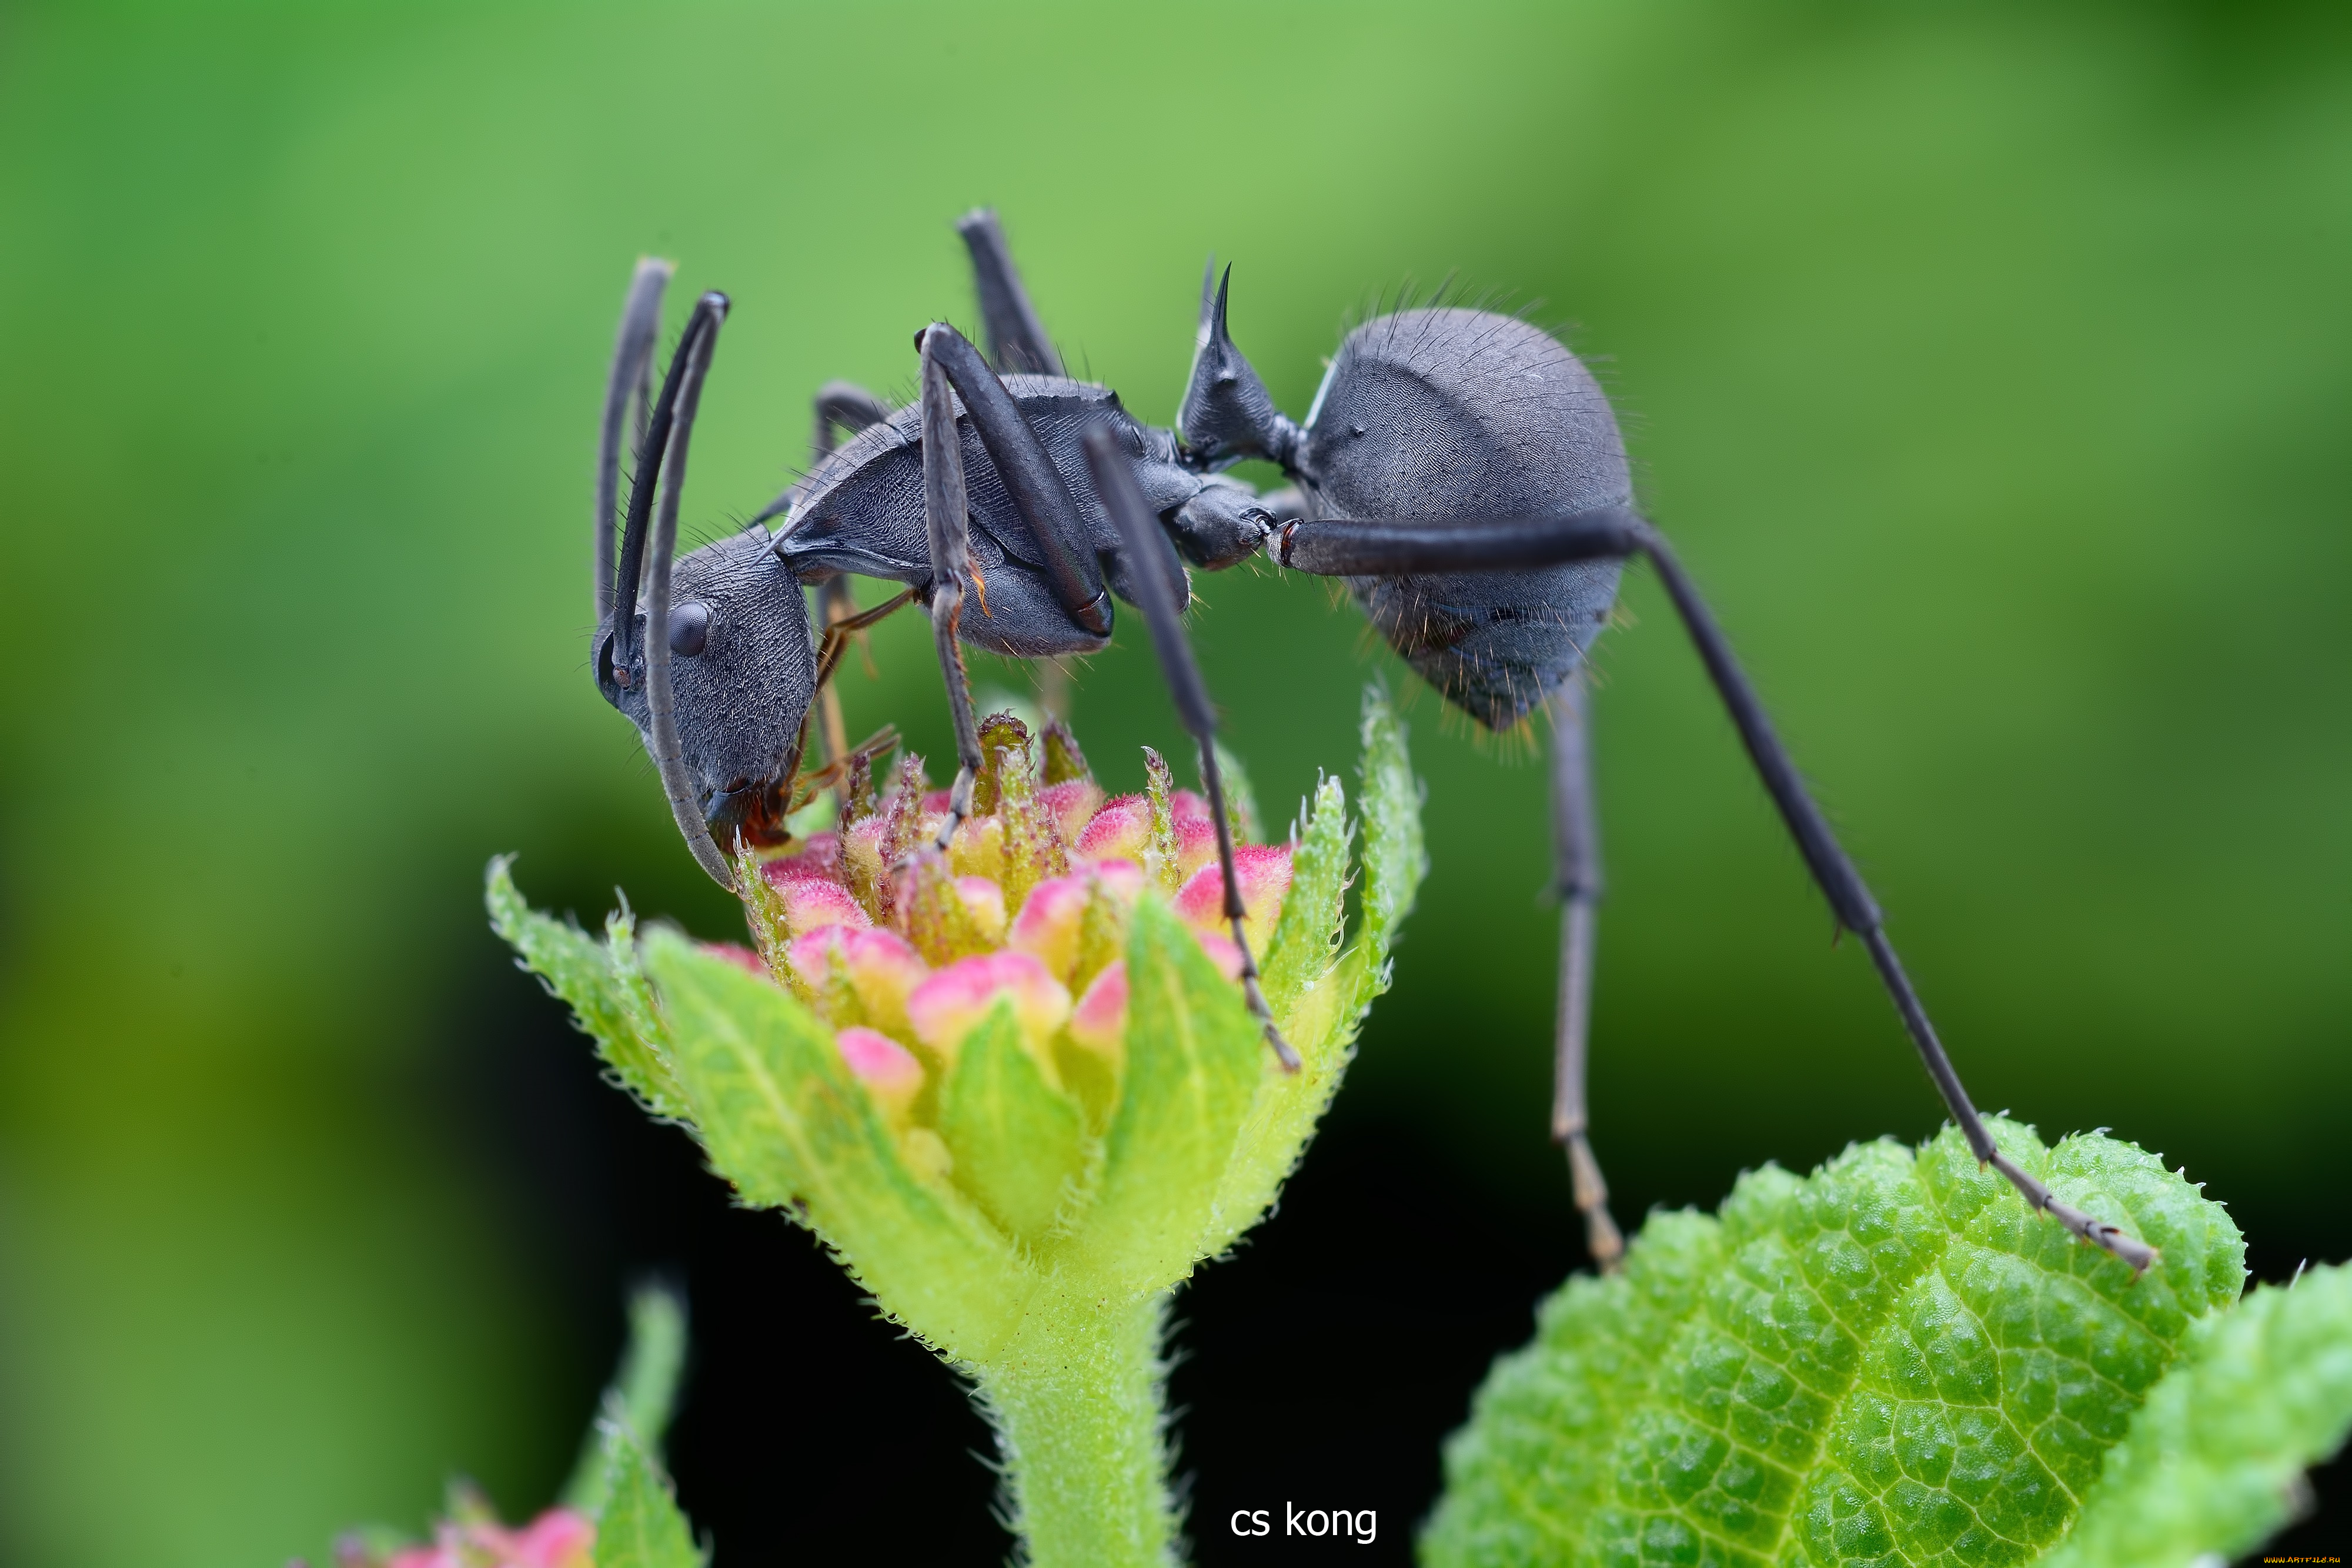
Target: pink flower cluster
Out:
[904,950]
[556,1539]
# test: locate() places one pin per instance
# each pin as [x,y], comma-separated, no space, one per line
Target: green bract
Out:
[1892,1361]
[1030,1209]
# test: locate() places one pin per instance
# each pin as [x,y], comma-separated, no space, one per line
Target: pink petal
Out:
[1222,951]
[889,1070]
[946,1008]
[818,856]
[811,904]
[986,902]
[1100,1021]
[1196,843]
[1071,802]
[883,969]
[935,802]
[1265,872]
[1122,879]
[1187,806]
[1048,923]
[556,1539]
[1121,830]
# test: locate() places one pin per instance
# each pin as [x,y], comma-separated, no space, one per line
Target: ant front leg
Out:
[947,521]
[845,405]
[1155,574]
[1402,545]
[1576,859]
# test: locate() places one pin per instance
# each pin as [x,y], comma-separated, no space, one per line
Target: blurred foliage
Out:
[1989,363]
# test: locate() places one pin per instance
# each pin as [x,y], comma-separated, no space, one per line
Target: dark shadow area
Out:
[1321,1366]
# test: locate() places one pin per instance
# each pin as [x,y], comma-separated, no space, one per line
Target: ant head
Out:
[716,666]
[741,673]
[1227,414]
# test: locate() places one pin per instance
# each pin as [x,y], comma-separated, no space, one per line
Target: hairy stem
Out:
[1077,1401]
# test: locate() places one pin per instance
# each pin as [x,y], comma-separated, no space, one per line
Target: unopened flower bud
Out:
[1265,874]
[1120,829]
[889,1070]
[977,849]
[811,901]
[951,1003]
[881,971]
[1222,951]
[1100,1022]
[985,901]
[1073,802]
[1196,843]
[1048,924]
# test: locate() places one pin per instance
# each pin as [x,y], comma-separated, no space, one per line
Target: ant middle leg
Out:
[947,520]
[1501,544]
[1576,860]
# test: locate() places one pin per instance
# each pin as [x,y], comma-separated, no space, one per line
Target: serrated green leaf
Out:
[1394,858]
[1320,1002]
[1241,800]
[2211,1465]
[783,1120]
[1892,1360]
[1018,1142]
[1193,1059]
[1298,954]
[606,1000]
[640,1526]
[642,1395]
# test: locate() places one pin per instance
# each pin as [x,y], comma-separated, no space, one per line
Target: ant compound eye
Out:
[689,628]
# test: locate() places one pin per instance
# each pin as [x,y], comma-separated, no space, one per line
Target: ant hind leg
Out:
[1576,857]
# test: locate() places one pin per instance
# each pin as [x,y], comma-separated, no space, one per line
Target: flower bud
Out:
[1072,804]
[1120,829]
[889,1070]
[876,965]
[977,849]
[1222,951]
[812,900]
[819,855]
[1265,874]
[1048,924]
[1196,843]
[938,917]
[1100,1022]
[984,902]
[946,1007]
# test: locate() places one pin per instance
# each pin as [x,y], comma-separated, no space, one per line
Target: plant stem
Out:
[1078,1406]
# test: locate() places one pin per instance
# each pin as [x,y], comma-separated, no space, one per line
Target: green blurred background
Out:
[1991,363]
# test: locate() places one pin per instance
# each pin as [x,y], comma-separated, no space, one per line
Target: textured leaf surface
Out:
[1193,1060]
[608,1003]
[1394,859]
[783,1121]
[642,1395]
[642,1526]
[1016,1139]
[1890,1362]
[2213,1462]
[1299,952]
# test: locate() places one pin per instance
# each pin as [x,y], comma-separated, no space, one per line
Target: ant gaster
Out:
[1459,468]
